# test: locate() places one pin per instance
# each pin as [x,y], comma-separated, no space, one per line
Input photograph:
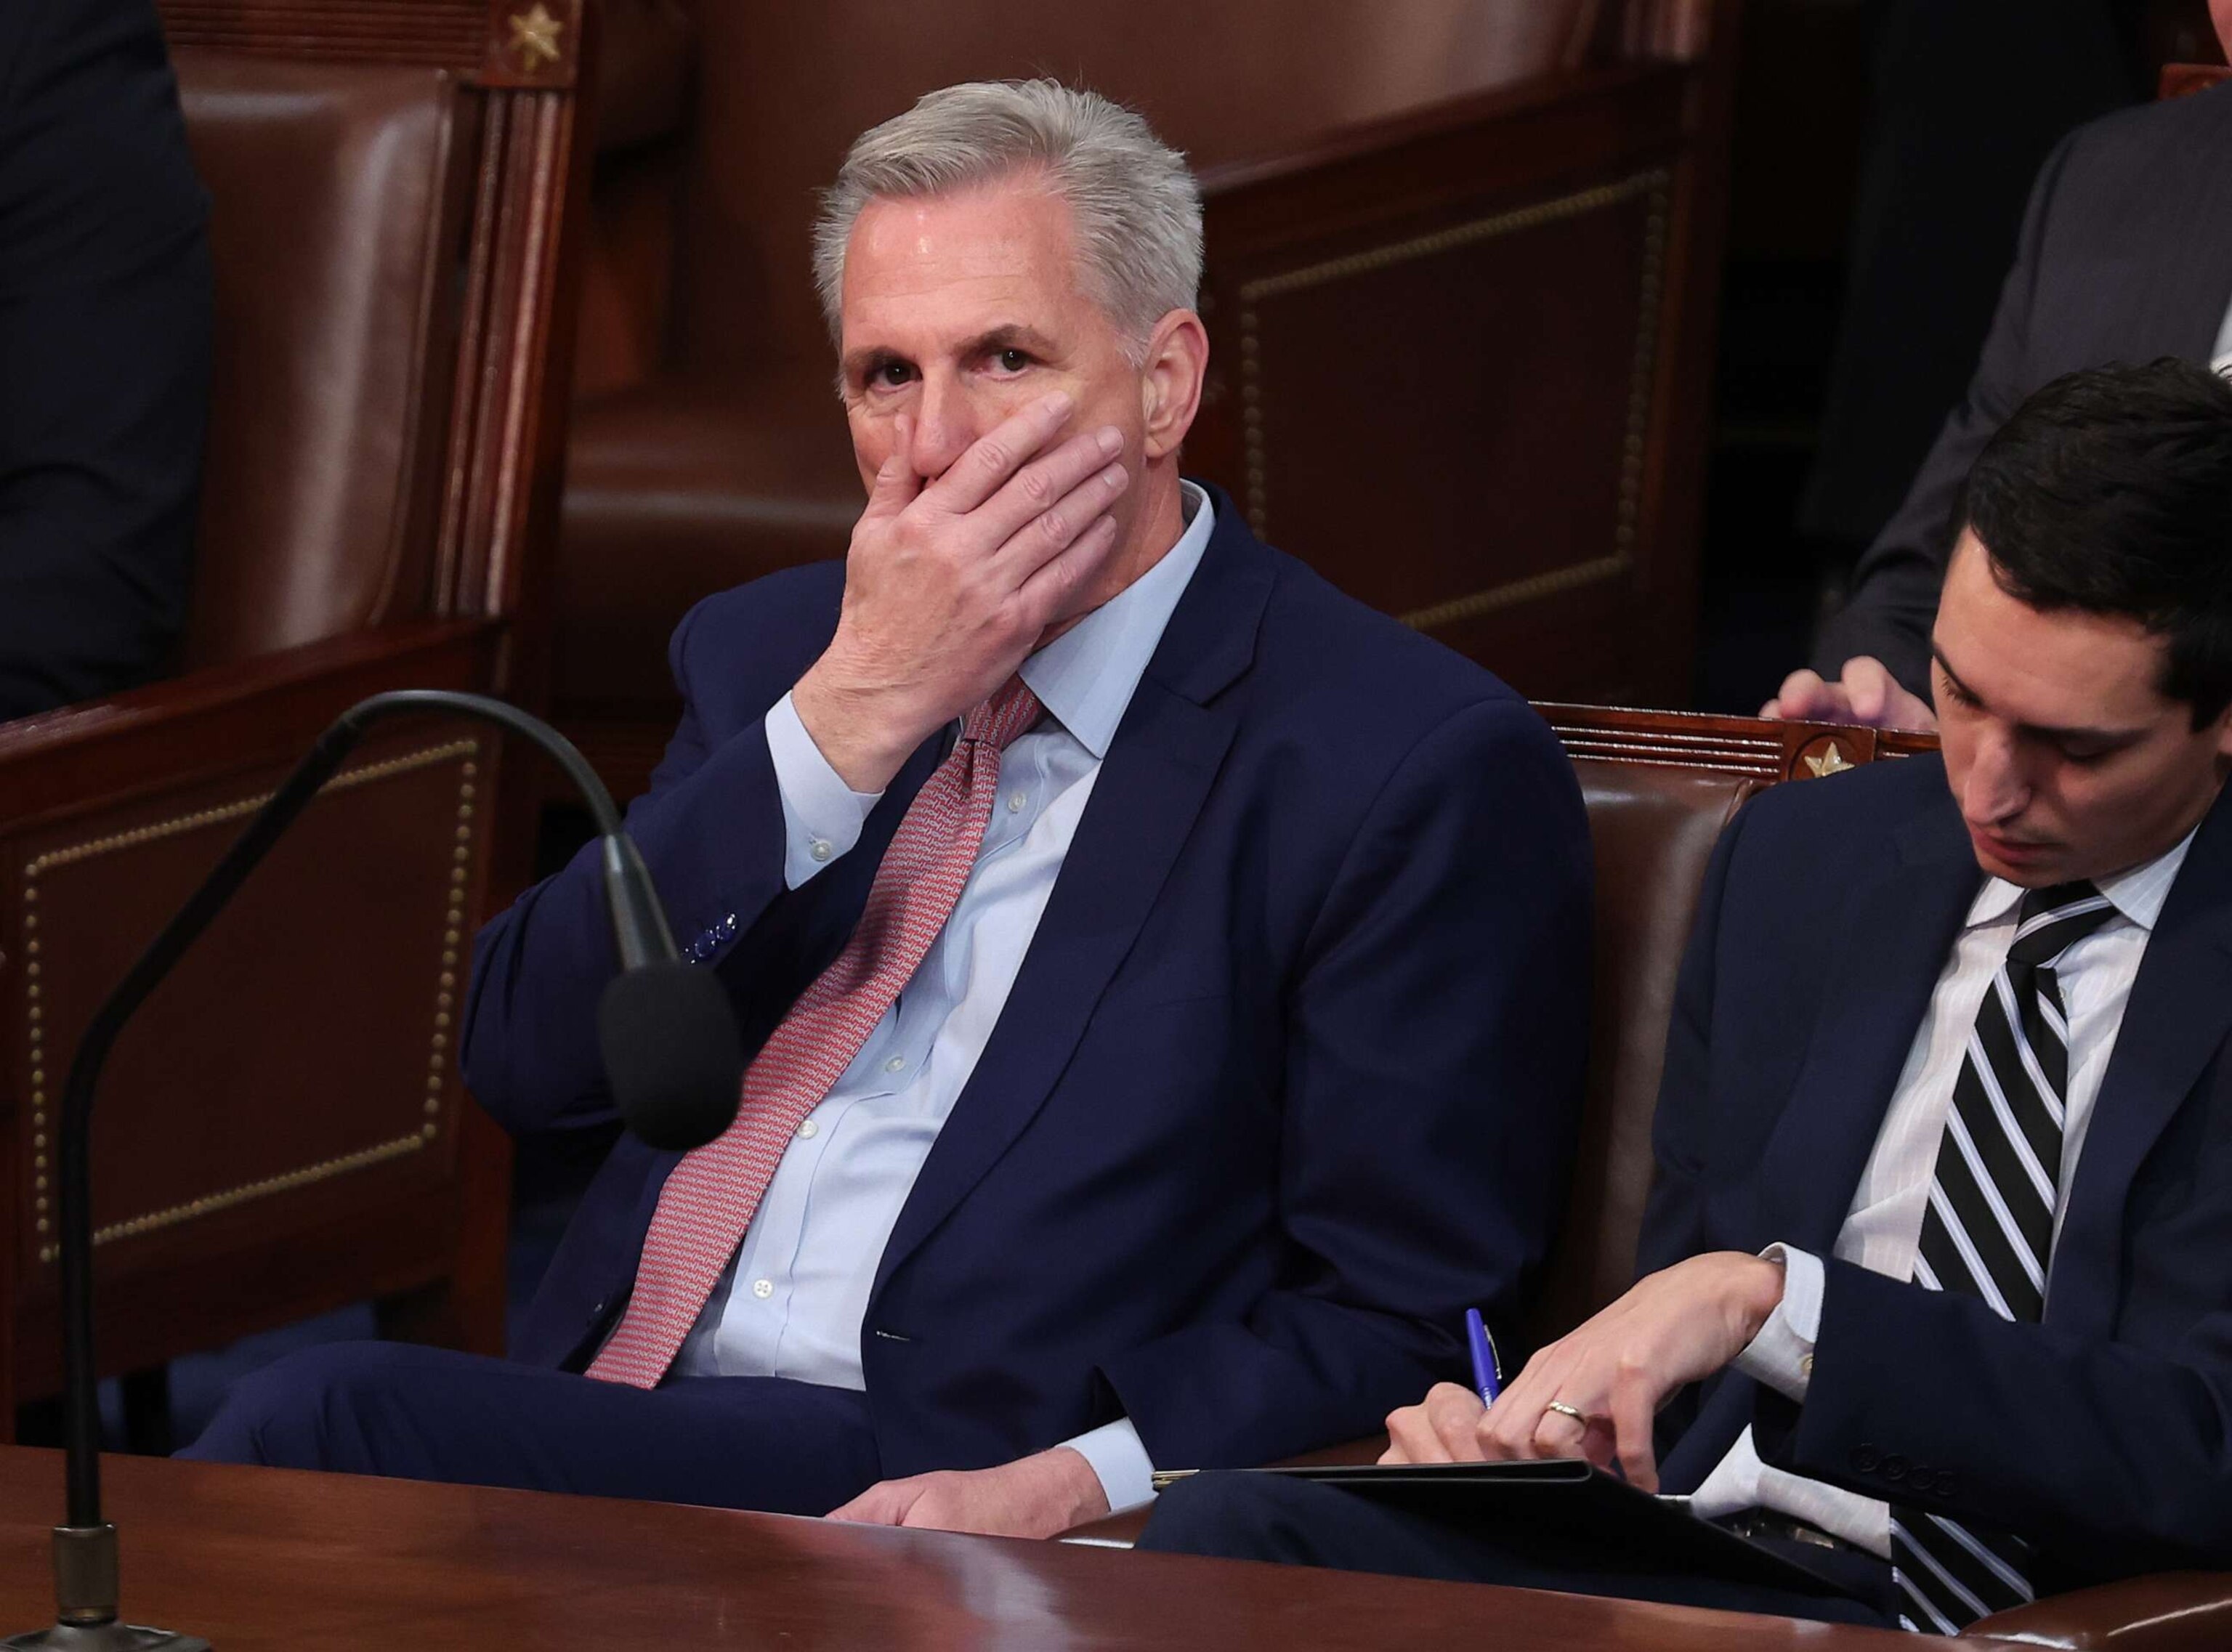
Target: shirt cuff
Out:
[1120,1461]
[822,816]
[1781,1355]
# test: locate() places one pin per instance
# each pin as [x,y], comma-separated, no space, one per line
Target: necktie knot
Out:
[2051,920]
[1007,714]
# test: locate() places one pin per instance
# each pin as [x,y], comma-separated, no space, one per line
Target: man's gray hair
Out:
[1135,205]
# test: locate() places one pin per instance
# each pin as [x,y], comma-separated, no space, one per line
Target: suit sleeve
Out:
[105,303]
[711,832]
[1437,1036]
[2120,1455]
[1893,601]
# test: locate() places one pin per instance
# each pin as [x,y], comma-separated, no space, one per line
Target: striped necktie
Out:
[708,1200]
[1988,1229]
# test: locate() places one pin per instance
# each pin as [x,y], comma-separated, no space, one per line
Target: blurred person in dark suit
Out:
[1936,1291]
[2126,256]
[105,319]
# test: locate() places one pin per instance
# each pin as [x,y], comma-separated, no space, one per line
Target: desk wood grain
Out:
[262,1559]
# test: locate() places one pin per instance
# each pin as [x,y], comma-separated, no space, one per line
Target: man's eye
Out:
[889,375]
[1012,361]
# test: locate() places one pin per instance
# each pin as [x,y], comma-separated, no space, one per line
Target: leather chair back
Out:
[328,183]
[1652,828]
[785,88]
[1659,786]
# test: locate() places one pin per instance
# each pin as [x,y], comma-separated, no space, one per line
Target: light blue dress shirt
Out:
[793,1300]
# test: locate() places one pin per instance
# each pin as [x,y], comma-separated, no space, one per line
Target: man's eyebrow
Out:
[858,364]
[2109,737]
[1008,335]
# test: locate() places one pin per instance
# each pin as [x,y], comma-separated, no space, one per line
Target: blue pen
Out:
[1487,1369]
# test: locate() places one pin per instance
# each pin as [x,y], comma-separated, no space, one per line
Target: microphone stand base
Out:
[105,1637]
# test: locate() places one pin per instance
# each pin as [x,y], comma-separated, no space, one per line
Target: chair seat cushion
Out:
[675,490]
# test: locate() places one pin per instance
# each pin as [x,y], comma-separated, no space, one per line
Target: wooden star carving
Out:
[535,36]
[1830,763]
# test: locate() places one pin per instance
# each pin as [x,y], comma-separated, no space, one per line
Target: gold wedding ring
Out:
[1565,1410]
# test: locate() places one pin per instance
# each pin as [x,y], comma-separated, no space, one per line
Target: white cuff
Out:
[1120,1461]
[1781,1355]
[822,816]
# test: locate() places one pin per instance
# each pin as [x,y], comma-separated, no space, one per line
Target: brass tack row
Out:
[156,831]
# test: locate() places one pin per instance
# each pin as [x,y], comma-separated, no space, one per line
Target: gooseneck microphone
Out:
[671,1052]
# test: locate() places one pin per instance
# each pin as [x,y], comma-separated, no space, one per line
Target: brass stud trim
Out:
[158,830]
[155,832]
[211,1203]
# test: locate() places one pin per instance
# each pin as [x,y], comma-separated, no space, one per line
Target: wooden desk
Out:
[265,1558]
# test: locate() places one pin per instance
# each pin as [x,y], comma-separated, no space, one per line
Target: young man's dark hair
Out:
[2110,491]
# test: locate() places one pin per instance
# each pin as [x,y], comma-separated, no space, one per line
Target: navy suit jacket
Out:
[2103,1432]
[1287,1080]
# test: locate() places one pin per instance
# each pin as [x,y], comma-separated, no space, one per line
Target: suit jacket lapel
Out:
[1159,767]
[1899,925]
[2175,1020]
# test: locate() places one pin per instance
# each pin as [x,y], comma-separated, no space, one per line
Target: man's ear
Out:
[1170,383]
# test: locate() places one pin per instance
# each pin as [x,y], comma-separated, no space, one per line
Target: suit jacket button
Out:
[1864,1459]
[1944,1487]
[1894,1466]
[1921,1478]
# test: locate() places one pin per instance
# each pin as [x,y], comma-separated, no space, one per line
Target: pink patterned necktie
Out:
[708,1201]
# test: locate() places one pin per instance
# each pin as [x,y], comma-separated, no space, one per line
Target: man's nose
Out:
[1996,790]
[944,425]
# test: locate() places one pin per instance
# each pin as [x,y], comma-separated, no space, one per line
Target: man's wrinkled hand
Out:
[1866,693]
[1033,1497]
[950,585]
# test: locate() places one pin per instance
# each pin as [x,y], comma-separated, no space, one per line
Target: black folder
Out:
[1564,1510]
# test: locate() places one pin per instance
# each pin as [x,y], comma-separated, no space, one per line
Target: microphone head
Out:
[671,1054]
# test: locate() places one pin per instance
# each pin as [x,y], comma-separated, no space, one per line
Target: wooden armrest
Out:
[1121,1531]
[225,718]
[2168,1611]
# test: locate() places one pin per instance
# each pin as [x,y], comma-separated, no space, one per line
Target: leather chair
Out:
[1462,268]
[282,1131]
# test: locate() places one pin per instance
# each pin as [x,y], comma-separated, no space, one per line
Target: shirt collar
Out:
[1085,677]
[2137,893]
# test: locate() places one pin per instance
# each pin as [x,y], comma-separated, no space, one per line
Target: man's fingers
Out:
[1411,1437]
[1454,1414]
[882,1504]
[1047,593]
[994,457]
[1556,1434]
[1867,689]
[1045,536]
[897,482]
[1633,1413]
[1042,485]
[1803,697]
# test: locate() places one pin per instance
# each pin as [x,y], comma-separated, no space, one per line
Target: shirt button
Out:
[809,1129]
[820,849]
[1016,802]
[763,1289]
[897,1064]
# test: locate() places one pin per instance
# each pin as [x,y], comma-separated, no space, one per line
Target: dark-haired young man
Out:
[1937,1267]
